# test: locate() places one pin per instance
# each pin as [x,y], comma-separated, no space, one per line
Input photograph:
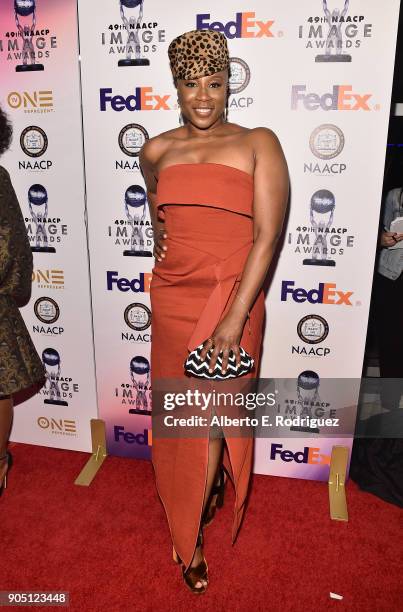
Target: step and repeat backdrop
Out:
[318,73]
[40,91]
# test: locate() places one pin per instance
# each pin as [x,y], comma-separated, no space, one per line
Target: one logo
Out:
[131,139]
[59,427]
[141,284]
[143,439]
[46,310]
[309,455]
[240,75]
[325,293]
[245,25]
[326,141]
[137,316]
[341,98]
[33,141]
[48,279]
[40,101]
[312,329]
[143,99]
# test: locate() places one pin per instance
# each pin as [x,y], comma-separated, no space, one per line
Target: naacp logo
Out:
[33,141]
[313,329]
[131,139]
[326,142]
[138,317]
[239,80]
[240,75]
[46,310]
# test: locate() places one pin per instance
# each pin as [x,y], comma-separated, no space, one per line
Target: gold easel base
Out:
[336,483]
[98,437]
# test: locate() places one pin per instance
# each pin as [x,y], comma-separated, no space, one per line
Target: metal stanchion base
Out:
[98,456]
[336,483]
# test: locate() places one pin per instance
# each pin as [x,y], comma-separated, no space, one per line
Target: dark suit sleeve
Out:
[16,262]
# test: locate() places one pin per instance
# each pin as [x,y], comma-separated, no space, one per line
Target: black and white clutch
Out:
[196,367]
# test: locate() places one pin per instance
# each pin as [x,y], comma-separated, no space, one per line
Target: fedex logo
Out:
[244,26]
[141,99]
[309,455]
[137,285]
[326,293]
[143,438]
[341,98]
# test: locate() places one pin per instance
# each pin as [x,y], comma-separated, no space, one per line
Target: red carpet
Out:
[108,544]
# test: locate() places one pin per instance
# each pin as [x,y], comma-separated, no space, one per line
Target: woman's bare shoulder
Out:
[156,147]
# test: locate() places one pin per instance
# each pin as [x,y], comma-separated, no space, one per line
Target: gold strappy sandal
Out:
[194,574]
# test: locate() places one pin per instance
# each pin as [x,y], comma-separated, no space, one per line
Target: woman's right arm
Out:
[148,167]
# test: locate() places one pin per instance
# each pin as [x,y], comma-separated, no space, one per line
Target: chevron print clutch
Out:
[196,367]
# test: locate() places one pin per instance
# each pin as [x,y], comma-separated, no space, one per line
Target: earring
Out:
[226,114]
[180,112]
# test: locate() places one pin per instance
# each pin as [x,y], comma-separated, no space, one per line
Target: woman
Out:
[217,193]
[20,365]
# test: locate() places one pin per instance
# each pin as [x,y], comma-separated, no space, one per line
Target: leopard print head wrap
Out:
[198,53]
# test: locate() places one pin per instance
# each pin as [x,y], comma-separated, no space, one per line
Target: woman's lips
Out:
[203,112]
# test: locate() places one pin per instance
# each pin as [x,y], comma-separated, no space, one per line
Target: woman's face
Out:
[203,101]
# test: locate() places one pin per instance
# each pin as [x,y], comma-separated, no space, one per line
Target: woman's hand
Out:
[225,338]
[159,247]
[389,239]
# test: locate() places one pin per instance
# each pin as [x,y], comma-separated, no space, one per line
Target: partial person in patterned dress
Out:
[20,364]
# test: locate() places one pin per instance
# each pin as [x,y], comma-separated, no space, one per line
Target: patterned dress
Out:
[20,364]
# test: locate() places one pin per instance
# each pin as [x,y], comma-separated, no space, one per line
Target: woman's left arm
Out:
[271,189]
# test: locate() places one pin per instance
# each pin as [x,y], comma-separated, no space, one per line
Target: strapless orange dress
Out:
[207,209]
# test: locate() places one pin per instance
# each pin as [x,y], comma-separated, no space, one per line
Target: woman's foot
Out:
[198,559]
[195,577]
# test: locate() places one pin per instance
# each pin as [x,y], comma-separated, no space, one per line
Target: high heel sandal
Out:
[216,498]
[193,575]
[9,458]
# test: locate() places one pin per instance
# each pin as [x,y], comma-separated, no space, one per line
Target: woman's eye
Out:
[215,84]
[190,84]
